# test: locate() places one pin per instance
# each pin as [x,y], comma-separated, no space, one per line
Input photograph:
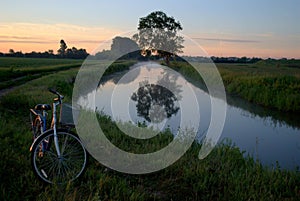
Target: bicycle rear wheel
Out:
[37,127]
[51,168]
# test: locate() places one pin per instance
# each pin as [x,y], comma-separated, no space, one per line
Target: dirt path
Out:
[9,89]
[3,92]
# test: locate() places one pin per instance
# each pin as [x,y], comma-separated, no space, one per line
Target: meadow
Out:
[16,71]
[226,174]
[272,84]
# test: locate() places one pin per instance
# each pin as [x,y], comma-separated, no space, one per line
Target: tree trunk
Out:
[167,60]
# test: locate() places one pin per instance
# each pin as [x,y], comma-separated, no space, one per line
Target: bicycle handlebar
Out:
[60,97]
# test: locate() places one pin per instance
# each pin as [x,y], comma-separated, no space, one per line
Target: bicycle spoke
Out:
[68,166]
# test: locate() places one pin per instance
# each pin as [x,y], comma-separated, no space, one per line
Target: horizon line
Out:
[6,54]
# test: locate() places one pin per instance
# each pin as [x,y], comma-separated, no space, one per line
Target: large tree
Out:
[157,34]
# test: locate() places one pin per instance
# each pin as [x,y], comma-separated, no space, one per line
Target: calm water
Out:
[138,97]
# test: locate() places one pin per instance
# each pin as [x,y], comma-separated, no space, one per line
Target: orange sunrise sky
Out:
[221,28]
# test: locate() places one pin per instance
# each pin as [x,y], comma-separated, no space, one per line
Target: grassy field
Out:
[224,175]
[273,84]
[16,71]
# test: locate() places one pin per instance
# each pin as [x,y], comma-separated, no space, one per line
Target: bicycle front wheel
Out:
[52,168]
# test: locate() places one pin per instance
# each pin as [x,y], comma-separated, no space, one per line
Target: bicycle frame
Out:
[42,118]
[53,125]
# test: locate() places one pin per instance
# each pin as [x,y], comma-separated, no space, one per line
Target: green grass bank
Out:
[224,175]
[273,84]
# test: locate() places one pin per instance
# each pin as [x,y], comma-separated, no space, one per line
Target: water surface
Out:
[137,97]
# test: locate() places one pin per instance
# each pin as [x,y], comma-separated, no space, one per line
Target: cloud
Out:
[22,39]
[227,40]
[31,31]
[15,37]
[29,36]
[26,41]
[90,41]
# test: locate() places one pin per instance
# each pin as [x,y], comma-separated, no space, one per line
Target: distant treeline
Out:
[62,52]
[223,59]
[235,59]
[121,46]
[72,53]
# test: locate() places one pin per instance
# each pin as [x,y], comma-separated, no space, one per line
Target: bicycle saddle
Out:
[42,107]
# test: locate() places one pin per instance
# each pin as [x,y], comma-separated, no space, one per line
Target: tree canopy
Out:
[157,34]
[72,53]
[62,50]
[121,47]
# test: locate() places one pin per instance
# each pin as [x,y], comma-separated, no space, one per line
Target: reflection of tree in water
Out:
[155,102]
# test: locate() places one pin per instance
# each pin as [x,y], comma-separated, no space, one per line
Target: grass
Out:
[224,175]
[31,64]
[16,71]
[118,66]
[273,84]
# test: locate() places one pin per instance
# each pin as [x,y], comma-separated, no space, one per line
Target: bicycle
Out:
[57,154]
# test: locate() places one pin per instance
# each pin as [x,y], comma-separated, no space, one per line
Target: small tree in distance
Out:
[62,50]
[158,35]
[123,45]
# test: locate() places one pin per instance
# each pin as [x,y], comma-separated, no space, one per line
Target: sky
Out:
[252,28]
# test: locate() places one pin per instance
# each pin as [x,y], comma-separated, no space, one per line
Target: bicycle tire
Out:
[37,127]
[53,169]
